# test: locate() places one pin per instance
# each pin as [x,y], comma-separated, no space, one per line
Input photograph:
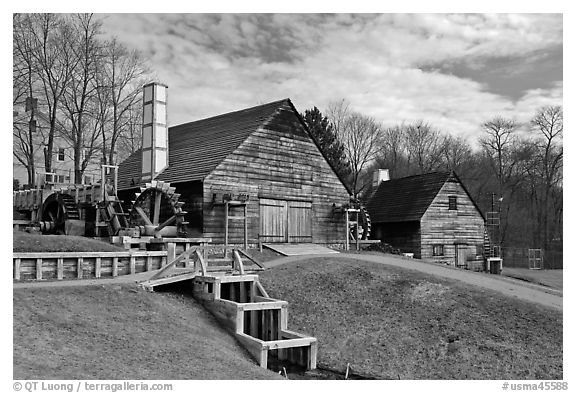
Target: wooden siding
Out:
[439,225]
[279,161]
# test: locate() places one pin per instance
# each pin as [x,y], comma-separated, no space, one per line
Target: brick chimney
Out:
[154,131]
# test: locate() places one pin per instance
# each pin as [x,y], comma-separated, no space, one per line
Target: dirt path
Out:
[526,291]
[523,290]
[127,279]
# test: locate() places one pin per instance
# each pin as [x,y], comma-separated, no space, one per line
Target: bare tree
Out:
[548,125]
[361,137]
[424,146]
[80,93]
[456,152]
[23,76]
[121,77]
[54,59]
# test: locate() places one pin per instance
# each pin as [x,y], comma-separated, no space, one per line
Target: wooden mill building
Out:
[260,162]
[432,216]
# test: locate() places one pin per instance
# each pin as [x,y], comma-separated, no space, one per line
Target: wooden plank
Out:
[98,267]
[170,280]
[242,294]
[60,268]
[79,267]
[265,306]
[114,266]
[290,343]
[17,263]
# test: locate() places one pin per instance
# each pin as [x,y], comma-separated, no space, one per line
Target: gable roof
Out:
[195,149]
[408,198]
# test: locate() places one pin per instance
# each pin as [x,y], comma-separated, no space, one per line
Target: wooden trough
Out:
[242,306]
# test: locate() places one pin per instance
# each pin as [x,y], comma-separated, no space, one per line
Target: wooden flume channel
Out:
[242,306]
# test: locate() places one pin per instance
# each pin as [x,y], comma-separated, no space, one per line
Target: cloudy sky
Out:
[454,71]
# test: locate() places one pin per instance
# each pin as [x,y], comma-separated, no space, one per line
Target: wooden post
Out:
[115,267]
[38,268]
[148,263]
[226,228]
[60,269]
[17,269]
[79,267]
[246,226]
[132,264]
[240,320]
[264,358]
[98,267]
[313,355]
[171,252]
[347,244]
[357,227]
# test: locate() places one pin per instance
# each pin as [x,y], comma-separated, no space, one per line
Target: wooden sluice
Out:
[237,299]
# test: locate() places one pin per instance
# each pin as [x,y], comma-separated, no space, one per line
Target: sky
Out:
[454,71]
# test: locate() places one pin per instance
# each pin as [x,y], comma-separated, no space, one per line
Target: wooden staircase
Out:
[239,302]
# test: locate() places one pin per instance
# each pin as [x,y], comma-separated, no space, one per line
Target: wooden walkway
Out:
[294,249]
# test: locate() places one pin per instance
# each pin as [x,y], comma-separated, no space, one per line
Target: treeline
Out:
[514,169]
[74,84]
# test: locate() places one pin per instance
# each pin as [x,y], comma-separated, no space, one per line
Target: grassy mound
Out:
[397,323]
[119,332]
[31,242]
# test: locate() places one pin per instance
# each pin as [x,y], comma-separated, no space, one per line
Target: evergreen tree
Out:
[322,131]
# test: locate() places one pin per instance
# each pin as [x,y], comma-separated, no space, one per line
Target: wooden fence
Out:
[82,265]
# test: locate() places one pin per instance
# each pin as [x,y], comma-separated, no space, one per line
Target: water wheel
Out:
[59,213]
[157,211]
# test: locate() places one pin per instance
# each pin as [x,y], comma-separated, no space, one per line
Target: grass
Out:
[31,242]
[549,278]
[396,323]
[120,332]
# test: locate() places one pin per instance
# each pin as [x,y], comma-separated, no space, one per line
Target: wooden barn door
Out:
[273,221]
[285,221]
[299,222]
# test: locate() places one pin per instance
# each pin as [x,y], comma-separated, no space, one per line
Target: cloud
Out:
[219,63]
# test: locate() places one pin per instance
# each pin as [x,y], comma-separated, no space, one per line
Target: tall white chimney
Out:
[379,176]
[154,130]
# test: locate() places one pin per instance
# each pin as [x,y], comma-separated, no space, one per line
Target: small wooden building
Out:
[432,216]
[260,161]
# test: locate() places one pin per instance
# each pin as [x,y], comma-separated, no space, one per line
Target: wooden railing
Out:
[79,265]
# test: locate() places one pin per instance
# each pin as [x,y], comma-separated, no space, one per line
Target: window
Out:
[452,203]
[438,250]
[87,179]
[60,154]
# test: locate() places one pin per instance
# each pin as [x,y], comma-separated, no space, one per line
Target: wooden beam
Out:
[157,205]
[143,215]
[132,265]
[265,306]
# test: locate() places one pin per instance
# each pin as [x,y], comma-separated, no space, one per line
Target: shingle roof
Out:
[195,149]
[405,199]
